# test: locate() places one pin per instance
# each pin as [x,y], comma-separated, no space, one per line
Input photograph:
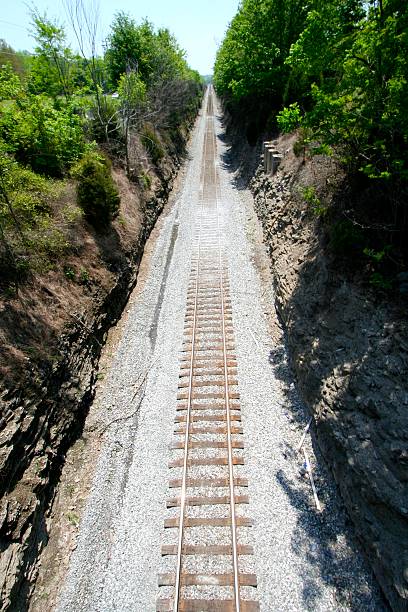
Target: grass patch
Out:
[152,144]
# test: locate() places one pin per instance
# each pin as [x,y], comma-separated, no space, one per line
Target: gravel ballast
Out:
[304,560]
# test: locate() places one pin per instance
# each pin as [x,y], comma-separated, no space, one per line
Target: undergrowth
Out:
[152,144]
[356,242]
[32,237]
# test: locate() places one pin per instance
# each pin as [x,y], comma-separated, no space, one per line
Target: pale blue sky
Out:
[199,26]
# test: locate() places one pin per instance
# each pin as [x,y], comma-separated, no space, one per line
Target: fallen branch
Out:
[253,336]
[143,380]
[298,449]
[126,417]
[309,471]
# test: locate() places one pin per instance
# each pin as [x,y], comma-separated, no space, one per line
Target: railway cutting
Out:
[208,524]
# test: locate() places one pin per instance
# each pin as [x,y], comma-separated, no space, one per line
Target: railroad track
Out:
[213,566]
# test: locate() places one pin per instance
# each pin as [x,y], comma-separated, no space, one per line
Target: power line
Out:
[13,24]
[16,53]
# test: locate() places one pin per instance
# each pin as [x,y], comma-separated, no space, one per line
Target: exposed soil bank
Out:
[43,414]
[349,352]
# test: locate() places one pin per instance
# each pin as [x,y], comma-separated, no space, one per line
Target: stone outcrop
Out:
[349,352]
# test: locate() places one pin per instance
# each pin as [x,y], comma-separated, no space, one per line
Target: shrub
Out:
[10,83]
[316,205]
[50,140]
[145,180]
[97,194]
[152,145]
[69,273]
[289,118]
[346,239]
[30,239]
[84,276]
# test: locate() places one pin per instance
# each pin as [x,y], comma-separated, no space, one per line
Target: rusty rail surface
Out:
[208,432]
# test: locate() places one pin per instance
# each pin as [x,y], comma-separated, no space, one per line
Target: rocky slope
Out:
[42,413]
[349,351]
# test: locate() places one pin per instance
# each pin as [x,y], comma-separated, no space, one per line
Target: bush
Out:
[145,180]
[289,118]
[346,239]
[316,205]
[30,239]
[97,194]
[50,140]
[152,145]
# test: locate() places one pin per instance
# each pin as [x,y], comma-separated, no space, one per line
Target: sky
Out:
[199,26]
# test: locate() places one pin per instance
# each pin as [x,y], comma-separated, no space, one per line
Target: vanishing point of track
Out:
[210,562]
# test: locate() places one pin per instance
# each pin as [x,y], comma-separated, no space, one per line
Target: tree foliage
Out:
[9,56]
[289,118]
[10,84]
[339,69]
[129,46]
[152,78]
[138,47]
[46,138]
[360,100]
[343,61]
[51,69]
[251,60]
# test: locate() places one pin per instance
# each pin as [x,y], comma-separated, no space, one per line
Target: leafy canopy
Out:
[344,62]
[153,55]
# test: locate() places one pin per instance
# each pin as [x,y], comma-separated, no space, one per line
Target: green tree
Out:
[251,60]
[342,61]
[169,61]
[130,47]
[318,53]
[9,56]
[51,69]
[155,56]
[359,103]
[50,140]
[341,66]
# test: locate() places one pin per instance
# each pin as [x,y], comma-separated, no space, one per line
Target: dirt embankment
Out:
[52,334]
[349,352]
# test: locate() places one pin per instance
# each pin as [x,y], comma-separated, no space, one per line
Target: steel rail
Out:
[208,327]
[237,598]
[183,495]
